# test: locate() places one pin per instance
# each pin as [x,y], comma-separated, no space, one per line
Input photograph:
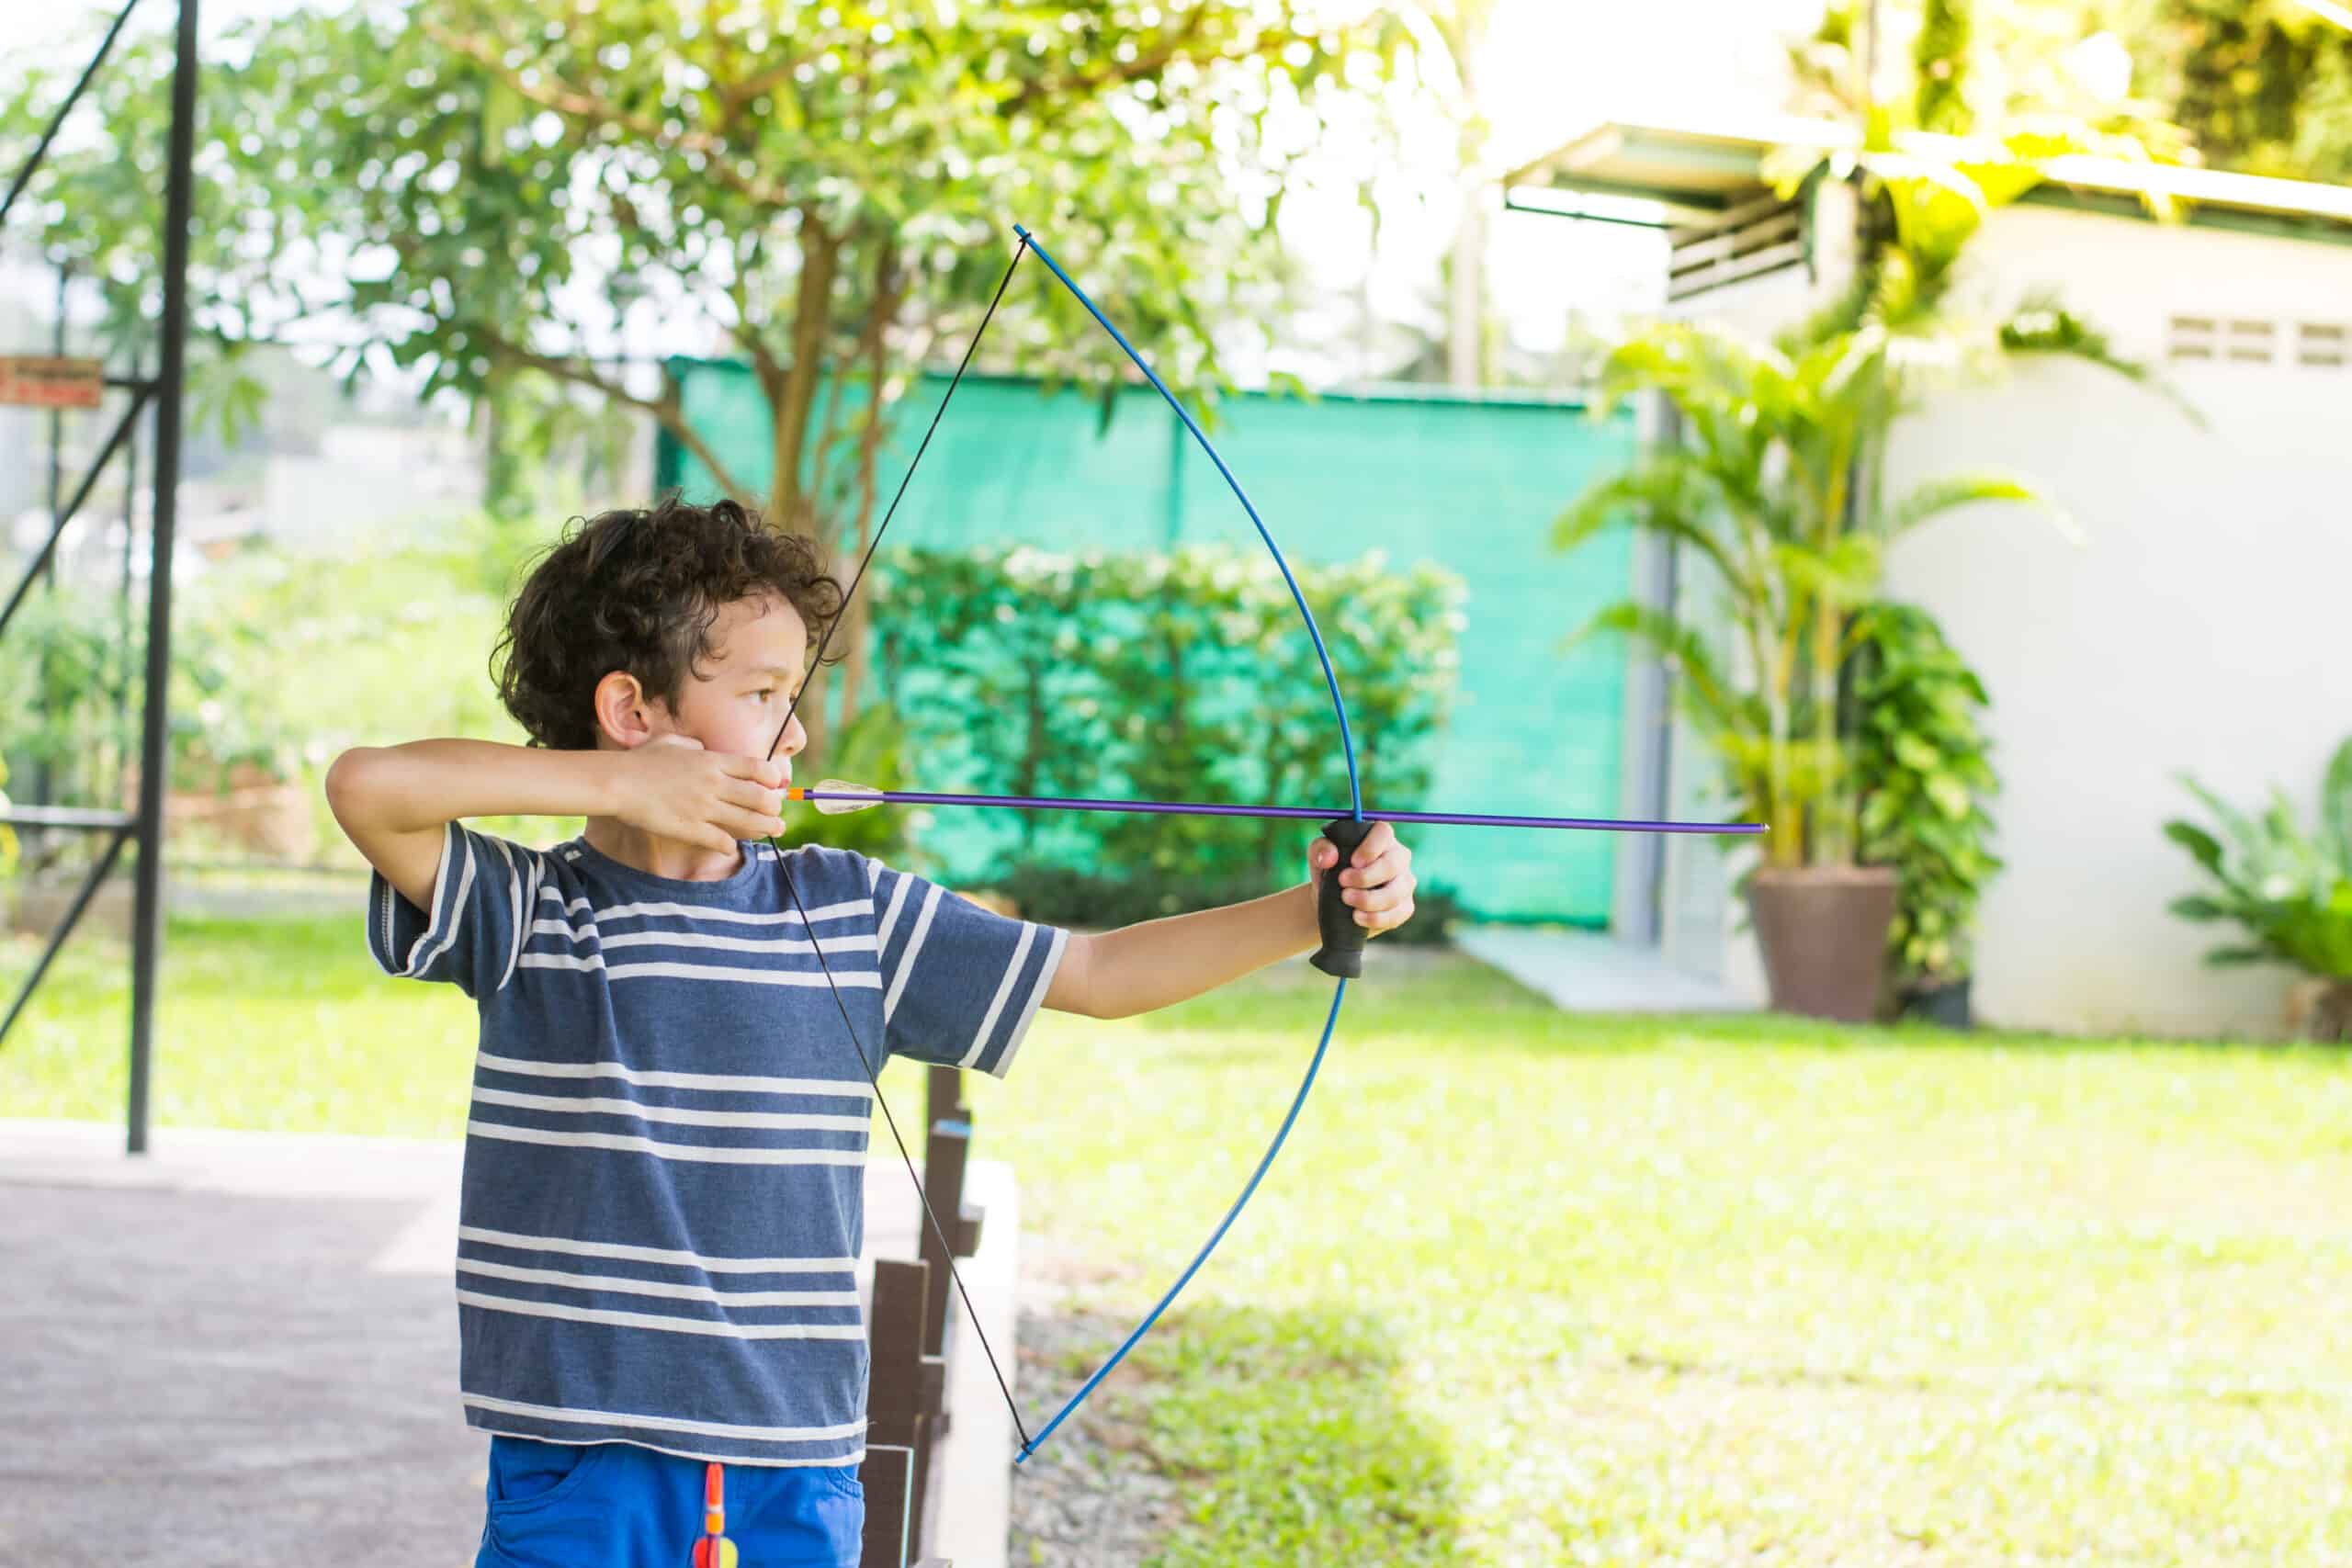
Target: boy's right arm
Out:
[395,802]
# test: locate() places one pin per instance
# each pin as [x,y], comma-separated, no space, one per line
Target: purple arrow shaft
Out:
[1308,813]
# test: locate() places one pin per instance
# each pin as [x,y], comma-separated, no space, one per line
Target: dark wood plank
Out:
[888,1476]
[895,1397]
[946,1152]
[943,1096]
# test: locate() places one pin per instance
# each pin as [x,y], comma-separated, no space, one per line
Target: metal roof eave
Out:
[1696,171]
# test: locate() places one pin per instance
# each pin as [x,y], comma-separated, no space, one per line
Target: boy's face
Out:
[738,695]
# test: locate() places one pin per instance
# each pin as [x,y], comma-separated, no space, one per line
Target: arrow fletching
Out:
[838,797]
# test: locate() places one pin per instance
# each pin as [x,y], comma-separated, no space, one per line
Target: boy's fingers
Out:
[752,796]
[748,823]
[760,770]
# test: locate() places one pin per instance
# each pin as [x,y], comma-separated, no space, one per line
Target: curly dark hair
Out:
[638,591]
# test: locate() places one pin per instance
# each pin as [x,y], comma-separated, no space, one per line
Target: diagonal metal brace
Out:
[57,525]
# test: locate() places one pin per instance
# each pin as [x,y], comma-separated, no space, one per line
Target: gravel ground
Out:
[1092,1497]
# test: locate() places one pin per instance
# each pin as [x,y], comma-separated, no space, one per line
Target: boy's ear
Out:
[624,716]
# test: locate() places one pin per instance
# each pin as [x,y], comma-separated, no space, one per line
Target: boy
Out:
[665,1150]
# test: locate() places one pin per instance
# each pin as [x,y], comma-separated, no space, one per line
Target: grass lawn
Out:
[1530,1288]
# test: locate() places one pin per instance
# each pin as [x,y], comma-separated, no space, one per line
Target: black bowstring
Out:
[946,1247]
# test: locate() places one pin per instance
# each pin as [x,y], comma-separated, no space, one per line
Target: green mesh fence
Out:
[1470,484]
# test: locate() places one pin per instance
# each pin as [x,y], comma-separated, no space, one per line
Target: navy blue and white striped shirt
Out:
[663,1199]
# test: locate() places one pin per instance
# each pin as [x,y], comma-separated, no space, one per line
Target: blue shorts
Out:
[617,1505]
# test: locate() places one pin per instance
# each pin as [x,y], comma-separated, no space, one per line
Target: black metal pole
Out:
[119,744]
[155,751]
[57,416]
[44,785]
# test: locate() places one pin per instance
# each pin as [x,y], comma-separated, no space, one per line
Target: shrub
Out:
[2289,890]
[1169,677]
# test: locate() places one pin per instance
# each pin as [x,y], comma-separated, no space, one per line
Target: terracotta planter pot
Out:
[1822,932]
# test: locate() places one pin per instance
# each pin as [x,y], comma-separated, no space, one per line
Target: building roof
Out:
[1692,172]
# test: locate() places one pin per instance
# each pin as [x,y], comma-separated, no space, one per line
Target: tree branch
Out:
[581,372]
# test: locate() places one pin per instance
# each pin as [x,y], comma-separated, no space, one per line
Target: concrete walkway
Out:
[241,1350]
[1588,972]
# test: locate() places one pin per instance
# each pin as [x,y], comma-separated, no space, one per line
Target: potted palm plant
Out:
[1762,490]
[1777,485]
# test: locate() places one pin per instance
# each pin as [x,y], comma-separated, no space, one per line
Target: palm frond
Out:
[1936,497]
[1718,704]
[1666,491]
[2040,325]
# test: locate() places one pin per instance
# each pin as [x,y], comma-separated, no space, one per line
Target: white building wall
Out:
[2203,625]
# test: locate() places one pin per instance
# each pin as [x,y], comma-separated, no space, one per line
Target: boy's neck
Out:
[673,859]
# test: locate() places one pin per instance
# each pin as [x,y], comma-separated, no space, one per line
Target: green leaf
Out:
[1936,497]
[2335,805]
[2202,846]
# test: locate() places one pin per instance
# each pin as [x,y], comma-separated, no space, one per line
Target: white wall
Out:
[2206,625]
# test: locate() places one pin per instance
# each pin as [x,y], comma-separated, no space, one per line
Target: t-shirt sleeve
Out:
[473,933]
[959,984]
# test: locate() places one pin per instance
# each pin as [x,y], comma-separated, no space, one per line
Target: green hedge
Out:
[1186,676]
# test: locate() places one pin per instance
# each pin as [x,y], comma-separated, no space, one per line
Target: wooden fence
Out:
[907,1412]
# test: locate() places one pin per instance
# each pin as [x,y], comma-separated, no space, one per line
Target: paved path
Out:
[241,1351]
[1587,972]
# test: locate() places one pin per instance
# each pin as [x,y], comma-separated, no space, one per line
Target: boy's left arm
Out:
[1155,964]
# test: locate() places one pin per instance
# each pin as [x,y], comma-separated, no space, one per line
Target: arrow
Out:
[837,797]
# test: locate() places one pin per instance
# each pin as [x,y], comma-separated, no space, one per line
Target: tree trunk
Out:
[789,405]
[874,347]
[811,712]
[1466,345]
[857,661]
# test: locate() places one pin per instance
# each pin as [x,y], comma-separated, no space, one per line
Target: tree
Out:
[483,191]
[2265,86]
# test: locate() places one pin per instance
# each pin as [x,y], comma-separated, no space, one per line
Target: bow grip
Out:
[1341,953]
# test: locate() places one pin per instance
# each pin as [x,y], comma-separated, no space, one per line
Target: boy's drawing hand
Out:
[674,789]
[1378,883]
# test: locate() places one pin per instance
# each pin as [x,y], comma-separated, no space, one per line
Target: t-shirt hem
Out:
[587,1439]
[438,924]
[1046,972]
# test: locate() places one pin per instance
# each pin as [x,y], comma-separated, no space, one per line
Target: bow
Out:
[1341,953]
[1340,956]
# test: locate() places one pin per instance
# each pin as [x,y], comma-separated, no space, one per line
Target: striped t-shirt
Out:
[664,1198]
